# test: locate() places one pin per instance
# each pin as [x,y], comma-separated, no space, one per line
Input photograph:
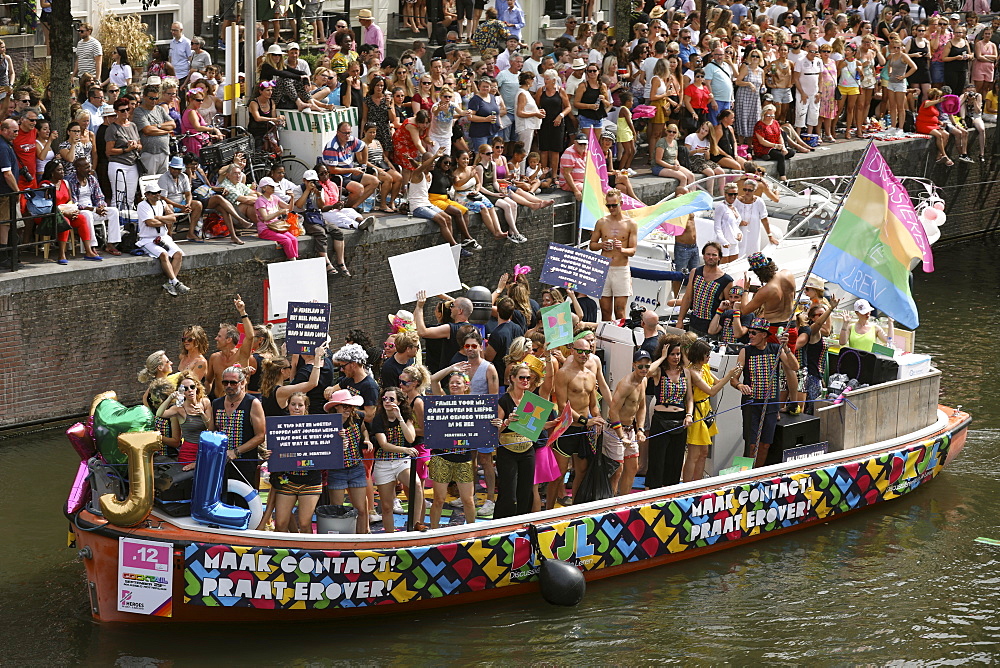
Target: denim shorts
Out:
[686,257]
[348,478]
[937,71]
[427,212]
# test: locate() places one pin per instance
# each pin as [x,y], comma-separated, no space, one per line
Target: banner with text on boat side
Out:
[273,578]
[145,577]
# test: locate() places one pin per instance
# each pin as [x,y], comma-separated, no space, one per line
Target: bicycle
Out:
[260,163]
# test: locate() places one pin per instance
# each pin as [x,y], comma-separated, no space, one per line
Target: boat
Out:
[884,442]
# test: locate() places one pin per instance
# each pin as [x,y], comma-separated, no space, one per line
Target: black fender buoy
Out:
[561,583]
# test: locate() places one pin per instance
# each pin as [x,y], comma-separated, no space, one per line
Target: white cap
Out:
[293,45]
[863,307]
[310,175]
[266,181]
[153,187]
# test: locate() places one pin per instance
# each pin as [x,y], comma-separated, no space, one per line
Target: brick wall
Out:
[61,346]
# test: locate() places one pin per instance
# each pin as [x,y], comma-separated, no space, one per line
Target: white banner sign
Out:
[432,269]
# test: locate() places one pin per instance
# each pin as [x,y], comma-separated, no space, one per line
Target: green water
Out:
[902,582]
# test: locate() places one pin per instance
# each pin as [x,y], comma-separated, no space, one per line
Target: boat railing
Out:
[880,412]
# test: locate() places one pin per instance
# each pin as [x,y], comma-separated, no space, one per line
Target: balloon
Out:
[80,491]
[939,205]
[561,583]
[111,419]
[81,437]
[138,448]
[206,505]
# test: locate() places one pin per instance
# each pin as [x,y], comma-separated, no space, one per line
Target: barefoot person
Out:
[773,299]
[616,236]
[577,385]
[628,418]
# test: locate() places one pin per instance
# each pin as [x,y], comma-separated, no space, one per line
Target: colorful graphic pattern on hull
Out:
[275,578]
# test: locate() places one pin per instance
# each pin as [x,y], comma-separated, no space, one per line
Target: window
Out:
[159,25]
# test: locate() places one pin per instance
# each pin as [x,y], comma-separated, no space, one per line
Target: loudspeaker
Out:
[791,432]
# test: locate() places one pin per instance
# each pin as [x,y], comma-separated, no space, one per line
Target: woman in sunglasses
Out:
[190,412]
[264,116]
[194,345]
[592,99]
[394,435]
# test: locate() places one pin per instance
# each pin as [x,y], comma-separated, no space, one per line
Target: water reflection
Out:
[904,582]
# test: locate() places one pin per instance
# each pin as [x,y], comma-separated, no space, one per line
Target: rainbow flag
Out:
[876,241]
[671,215]
[562,424]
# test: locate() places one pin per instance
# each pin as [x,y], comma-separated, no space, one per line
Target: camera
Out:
[634,317]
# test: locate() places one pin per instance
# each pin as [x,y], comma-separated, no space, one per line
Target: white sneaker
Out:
[486,510]
[631,172]
[428,503]
[170,288]
[374,517]
[181,288]
[397,507]
[455,503]
[367,223]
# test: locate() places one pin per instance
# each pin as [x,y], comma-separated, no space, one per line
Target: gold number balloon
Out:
[138,448]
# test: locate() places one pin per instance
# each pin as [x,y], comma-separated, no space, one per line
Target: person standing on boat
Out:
[228,354]
[758,363]
[626,429]
[394,433]
[753,216]
[811,348]
[774,299]
[861,335]
[240,417]
[727,224]
[706,287]
[576,384]
[516,454]
[673,409]
[461,311]
[616,237]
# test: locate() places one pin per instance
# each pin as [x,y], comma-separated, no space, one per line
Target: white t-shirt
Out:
[647,67]
[146,211]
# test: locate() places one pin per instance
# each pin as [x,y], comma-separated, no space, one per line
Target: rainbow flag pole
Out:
[875,241]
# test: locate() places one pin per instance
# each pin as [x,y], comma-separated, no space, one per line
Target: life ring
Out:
[252,499]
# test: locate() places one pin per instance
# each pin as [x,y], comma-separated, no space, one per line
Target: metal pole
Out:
[249,48]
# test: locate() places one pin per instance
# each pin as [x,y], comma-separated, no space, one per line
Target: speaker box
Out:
[791,432]
[869,368]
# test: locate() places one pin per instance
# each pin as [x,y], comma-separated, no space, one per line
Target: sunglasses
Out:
[471,346]
[581,351]
[671,132]
[611,206]
[187,339]
[188,388]
[231,382]
[642,366]
[731,194]
[748,190]
[524,378]
[389,400]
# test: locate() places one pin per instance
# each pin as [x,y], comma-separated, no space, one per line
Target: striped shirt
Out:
[87,52]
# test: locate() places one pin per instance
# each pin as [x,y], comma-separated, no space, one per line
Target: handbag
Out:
[709,417]
[313,218]
[39,204]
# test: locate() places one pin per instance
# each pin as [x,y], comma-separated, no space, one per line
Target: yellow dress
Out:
[699,433]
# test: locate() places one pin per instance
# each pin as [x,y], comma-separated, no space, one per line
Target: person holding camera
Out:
[318,203]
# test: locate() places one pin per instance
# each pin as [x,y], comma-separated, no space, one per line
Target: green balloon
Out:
[111,418]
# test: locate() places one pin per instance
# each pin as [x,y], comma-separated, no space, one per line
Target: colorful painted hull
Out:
[238,576]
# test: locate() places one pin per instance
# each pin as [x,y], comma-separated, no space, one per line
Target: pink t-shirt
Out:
[265,205]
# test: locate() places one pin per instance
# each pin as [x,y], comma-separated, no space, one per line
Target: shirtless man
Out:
[706,286]
[228,354]
[616,236]
[594,363]
[685,253]
[577,385]
[627,414]
[773,300]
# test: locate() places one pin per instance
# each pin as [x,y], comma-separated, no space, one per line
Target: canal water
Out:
[901,582]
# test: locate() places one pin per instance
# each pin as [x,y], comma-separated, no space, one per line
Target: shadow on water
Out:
[902,582]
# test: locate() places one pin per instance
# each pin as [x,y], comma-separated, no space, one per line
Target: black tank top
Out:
[253,383]
[726,141]
[590,96]
[271,406]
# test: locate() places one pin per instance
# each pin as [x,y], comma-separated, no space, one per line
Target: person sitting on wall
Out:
[155,239]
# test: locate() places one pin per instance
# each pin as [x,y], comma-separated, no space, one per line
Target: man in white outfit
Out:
[727,224]
[806,81]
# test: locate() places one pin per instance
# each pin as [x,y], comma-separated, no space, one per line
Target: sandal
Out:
[343,270]
[330,269]
[112,250]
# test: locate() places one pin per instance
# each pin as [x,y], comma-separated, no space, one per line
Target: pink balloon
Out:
[939,206]
[81,438]
[81,489]
[930,215]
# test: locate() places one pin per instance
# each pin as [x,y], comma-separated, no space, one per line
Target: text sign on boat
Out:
[804,452]
[579,270]
[307,327]
[145,577]
[305,442]
[460,421]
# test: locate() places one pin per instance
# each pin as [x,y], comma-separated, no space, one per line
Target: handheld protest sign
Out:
[307,327]
[460,421]
[305,442]
[301,281]
[579,270]
[557,323]
[432,269]
[532,413]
